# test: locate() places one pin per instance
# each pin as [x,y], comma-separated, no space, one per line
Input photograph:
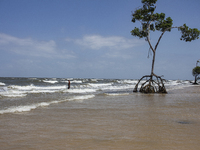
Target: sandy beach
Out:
[132,122]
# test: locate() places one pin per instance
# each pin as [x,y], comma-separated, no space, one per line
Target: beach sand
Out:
[129,122]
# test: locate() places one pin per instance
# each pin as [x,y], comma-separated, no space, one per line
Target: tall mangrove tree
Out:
[151,22]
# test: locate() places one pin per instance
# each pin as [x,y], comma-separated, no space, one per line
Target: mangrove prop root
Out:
[151,85]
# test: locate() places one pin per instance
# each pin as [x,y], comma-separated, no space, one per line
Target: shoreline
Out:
[135,121]
[190,89]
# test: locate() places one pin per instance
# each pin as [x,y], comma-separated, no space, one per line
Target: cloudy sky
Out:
[91,39]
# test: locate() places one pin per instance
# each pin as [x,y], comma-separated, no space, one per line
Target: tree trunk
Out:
[151,85]
[195,81]
[153,61]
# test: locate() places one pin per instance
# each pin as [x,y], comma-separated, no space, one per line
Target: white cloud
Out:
[113,42]
[28,46]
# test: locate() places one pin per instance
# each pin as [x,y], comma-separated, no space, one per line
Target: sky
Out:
[92,39]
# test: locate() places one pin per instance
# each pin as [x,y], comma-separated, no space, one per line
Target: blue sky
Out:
[91,39]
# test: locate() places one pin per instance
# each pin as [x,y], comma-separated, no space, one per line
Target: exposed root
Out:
[147,89]
[151,85]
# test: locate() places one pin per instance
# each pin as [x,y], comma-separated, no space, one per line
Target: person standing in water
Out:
[68,84]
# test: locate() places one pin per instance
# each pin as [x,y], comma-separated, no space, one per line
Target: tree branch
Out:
[148,38]
[162,35]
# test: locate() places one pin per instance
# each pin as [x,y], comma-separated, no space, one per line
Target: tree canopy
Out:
[196,73]
[151,21]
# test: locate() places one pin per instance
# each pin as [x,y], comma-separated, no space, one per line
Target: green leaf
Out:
[150,2]
[162,24]
[196,71]
[139,33]
[189,34]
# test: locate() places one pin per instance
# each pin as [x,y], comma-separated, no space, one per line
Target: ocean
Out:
[42,113]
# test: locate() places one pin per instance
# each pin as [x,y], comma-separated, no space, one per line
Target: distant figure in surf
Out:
[68,84]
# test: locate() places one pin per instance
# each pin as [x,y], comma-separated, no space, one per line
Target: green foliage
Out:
[163,24]
[189,34]
[139,33]
[196,71]
[149,2]
[151,21]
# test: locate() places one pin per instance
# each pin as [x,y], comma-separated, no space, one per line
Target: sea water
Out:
[26,94]
[42,113]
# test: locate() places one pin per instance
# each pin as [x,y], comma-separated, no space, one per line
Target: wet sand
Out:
[132,122]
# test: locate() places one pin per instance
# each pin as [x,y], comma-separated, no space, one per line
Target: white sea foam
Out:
[96,85]
[2,84]
[21,91]
[173,83]
[38,88]
[76,81]
[50,81]
[94,80]
[27,108]
[82,97]
[70,79]
[127,81]
[13,95]
[116,94]
[178,87]
[83,87]
[18,109]
[3,89]
[177,84]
